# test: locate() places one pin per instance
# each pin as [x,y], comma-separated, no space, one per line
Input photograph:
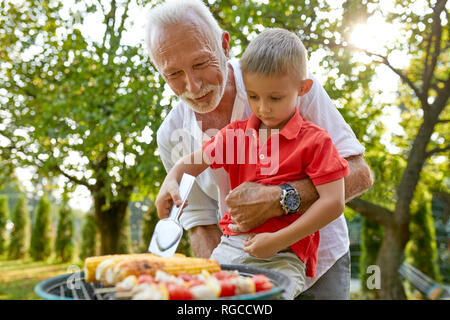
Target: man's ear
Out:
[305,86]
[226,43]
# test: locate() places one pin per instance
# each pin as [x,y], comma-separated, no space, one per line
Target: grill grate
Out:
[74,287]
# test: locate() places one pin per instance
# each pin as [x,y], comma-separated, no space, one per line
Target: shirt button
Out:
[261,156]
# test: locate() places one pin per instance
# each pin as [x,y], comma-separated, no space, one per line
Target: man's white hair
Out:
[175,11]
[276,51]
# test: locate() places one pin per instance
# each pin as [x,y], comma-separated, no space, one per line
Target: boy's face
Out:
[273,99]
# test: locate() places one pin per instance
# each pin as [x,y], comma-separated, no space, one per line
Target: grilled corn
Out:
[114,268]
[91,263]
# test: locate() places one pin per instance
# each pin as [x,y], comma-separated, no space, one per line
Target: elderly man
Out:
[191,52]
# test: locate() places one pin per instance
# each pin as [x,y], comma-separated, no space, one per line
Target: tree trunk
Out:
[397,231]
[389,260]
[109,223]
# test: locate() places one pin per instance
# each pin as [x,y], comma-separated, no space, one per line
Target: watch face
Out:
[292,201]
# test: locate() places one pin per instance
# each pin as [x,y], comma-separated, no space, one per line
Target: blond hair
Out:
[276,51]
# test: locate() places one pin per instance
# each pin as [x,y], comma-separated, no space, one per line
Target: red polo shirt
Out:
[301,149]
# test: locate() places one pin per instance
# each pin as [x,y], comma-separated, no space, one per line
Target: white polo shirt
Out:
[180,134]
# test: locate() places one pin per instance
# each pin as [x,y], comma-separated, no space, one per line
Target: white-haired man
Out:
[191,52]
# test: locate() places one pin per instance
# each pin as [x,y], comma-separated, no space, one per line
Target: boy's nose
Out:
[265,108]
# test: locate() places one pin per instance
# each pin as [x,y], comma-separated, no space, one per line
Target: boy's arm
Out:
[200,215]
[327,208]
[193,164]
[251,204]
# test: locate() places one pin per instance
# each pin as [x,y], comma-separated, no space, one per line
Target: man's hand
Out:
[251,204]
[168,196]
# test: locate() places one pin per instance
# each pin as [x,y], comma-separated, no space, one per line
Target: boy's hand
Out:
[262,245]
[168,196]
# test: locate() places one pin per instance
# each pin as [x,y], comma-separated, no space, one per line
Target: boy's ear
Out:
[305,86]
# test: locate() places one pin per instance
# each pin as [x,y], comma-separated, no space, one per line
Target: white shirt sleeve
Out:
[202,210]
[317,107]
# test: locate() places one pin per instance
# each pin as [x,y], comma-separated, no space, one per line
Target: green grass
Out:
[19,277]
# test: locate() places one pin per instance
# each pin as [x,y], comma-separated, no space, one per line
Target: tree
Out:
[149,220]
[64,232]
[4,215]
[40,245]
[88,237]
[421,249]
[371,236]
[125,235]
[18,244]
[441,215]
[72,97]
[424,93]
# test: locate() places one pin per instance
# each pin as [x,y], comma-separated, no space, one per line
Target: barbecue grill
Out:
[72,286]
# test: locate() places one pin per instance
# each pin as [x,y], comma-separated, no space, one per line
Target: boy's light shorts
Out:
[230,251]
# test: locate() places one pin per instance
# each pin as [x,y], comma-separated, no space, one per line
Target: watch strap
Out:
[287,187]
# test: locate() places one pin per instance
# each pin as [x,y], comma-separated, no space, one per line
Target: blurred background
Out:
[80,104]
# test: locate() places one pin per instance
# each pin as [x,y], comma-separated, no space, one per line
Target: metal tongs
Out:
[168,232]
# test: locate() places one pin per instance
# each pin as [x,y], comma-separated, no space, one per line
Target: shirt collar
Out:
[252,123]
[290,129]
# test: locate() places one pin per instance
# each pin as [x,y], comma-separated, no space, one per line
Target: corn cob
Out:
[113,269]
[177,266]
[91,263]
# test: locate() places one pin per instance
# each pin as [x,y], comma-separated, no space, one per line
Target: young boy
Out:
[274,68]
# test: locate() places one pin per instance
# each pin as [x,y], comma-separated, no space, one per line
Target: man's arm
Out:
[251,204]
[204,239]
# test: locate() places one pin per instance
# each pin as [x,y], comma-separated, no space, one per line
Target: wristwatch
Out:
[290,199]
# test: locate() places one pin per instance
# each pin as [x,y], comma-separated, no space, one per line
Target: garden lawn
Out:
[19,277]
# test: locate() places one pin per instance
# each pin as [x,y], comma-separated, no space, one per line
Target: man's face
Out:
[191,63]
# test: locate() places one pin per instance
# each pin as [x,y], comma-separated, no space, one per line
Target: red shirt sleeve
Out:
[325,164]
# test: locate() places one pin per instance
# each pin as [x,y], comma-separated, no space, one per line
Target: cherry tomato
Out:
[221,275]
[185,277]
[178,291]
[146,278]
[194,282]
[227,289]
[261,282]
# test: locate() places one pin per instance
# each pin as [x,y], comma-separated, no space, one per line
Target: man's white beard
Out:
[217,93]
